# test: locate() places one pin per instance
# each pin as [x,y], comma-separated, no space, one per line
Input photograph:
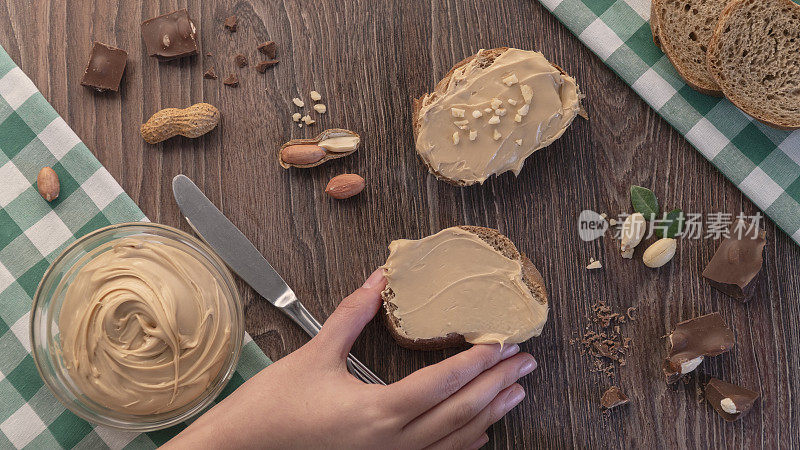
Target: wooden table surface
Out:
[369,58]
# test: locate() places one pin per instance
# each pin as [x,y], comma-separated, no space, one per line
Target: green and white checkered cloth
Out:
[32,233]
[761,161]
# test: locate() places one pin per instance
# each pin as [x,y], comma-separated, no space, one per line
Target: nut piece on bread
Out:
[682,28]
[462,285]
[754,55]
[492,111]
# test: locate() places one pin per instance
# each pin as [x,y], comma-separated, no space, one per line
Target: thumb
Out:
[353,313]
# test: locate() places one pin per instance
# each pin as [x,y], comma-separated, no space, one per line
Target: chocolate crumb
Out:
[231,81]
[210,74]
[240,60]
[613,397]
[264,65]
[604,342]
[269,48]
[231,23]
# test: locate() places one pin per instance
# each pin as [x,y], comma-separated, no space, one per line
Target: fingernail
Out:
[509,351]
[375,279]
[515,396]
[484,440]
[527,367]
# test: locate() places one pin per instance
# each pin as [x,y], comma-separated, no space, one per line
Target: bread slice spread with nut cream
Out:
[492,111]
[463,284]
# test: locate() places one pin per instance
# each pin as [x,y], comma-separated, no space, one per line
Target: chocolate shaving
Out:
[231,23]
[231,81]
[210,74]
[264,65]
[269,48]
[605,344]
[240,60]
[613,397]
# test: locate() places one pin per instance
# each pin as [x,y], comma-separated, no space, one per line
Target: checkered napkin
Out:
[763,162]
[32,233]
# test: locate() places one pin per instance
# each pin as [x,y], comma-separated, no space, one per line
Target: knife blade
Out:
[229,243]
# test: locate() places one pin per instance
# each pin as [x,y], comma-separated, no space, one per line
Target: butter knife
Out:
[243,258]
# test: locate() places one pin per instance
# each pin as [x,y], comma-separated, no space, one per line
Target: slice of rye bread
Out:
[682,29]
[530,276]
[487,58]
[754,56]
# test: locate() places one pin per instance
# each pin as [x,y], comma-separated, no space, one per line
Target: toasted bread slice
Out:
[754,55]
[682,28]
[530,276]
[487,57]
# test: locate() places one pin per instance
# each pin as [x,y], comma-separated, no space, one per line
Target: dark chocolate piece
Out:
[231,81]
[692,341]
[613,397]
[240,60]
[170,36]
[264,65]
[734,268]
[231,23]
[729,400]
[210,74]
[269,48]
[105,67]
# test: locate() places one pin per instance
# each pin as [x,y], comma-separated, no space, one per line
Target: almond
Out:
[47,183]
[302,154]
[345,186]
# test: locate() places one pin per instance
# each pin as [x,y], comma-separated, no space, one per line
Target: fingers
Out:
[429,386]
[483,440]
[353,313]
[463,406]
[470,433]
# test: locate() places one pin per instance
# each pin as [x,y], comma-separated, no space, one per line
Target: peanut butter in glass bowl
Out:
[137,326]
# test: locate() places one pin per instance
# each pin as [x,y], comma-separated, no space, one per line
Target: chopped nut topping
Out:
[487,110]
[511,101]
[165,41]
[457,112]
[527,92]
[296,117]
[517,118]
[316,96]
[496,102]
[497,135]
[476,114]
[297,102]
[510,80]
[612,222]
[462,124]
[473,134]
[320,108]
[308,120]
[494,120]
[524,110]
[456,138]
[518,141]
[500,112]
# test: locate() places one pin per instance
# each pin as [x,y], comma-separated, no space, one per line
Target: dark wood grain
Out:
[369,58]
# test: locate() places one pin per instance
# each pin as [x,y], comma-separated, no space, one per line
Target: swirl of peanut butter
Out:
[145,327]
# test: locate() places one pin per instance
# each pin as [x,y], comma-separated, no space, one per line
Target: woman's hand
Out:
[308,399]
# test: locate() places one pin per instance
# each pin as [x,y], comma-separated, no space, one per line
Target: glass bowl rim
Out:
[146,424]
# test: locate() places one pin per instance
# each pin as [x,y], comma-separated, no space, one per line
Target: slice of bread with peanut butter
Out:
[462,285]
[492,111]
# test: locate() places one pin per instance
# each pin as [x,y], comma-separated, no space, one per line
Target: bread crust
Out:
[713,46]
[530,276]
[490,55]
[663,42]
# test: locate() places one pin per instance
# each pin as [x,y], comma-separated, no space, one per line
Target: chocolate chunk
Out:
[240,60]
[231,23]
[264,65]
[231,81]
[613,397]
[735,267]
[170,36]
[729,400]
[269,48]
[692,341]
[105,67]
[210,74]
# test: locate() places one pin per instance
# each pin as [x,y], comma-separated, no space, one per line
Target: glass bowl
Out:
[46,309]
